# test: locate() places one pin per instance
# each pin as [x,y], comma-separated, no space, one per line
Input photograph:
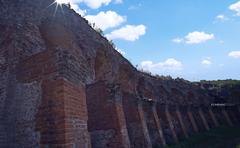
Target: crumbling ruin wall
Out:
[148,123]
[106,123]
[63,85]
[41,106]
[133,121]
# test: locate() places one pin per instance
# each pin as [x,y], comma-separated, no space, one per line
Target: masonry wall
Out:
[133,121]
[63,85]
[49,110]
[146,127]
[106,122]
[41,108]
[62,118]
[152,125]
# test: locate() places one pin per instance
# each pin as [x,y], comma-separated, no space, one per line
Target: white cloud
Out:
[234,54]
[105,20]
[221,17]
[206,62]
[78,9]
[121,51]
[128,32]
[134,7]
[198,37]
[93,4]
[195,37]
[177,40]
[235,7]
[170,65]
[118,1]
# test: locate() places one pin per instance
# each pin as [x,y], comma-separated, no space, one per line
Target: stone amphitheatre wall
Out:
[123,120]
[63,85]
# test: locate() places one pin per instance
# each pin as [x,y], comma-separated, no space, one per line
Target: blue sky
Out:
[192,39]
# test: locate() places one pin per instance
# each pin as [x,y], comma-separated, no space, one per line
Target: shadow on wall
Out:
[148,124]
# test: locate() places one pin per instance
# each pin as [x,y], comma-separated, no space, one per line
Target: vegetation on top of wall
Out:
[160,77]
[223,91]
[221,82]
[99,30]
[146,72]
[112,44]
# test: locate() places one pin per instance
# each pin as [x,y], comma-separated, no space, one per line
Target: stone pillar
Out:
[226,116]
[106,123]
[212,115]
[179,115]
[144,125]
[122,124]
[190,115]
[158,124]
[169,119]
[203,119]
[62,120]
[233,114]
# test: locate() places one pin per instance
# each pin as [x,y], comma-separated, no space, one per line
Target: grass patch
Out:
[223,137]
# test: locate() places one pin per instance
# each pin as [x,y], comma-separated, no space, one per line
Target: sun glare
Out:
[62,1]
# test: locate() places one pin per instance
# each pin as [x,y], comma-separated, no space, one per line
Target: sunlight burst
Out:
[62,1]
